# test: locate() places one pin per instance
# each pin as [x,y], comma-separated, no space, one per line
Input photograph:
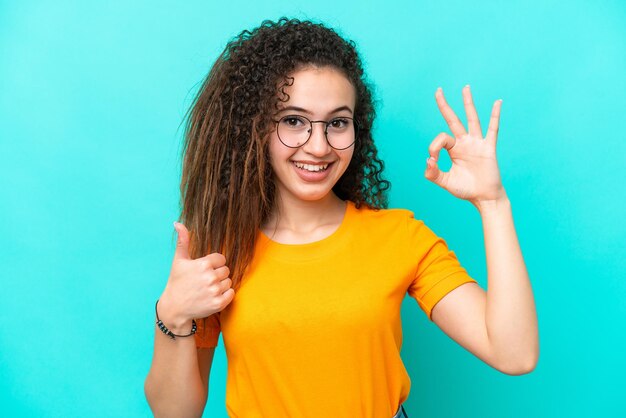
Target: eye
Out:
[340,123]
[293,121]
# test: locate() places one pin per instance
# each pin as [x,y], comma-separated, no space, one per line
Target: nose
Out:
[317,143]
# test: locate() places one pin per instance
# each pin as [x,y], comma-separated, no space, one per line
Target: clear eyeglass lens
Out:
[295,130]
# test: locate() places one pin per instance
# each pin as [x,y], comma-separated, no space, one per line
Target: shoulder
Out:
[384,214]
[386,218]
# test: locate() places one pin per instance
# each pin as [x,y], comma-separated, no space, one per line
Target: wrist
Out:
[171,317]
[492,204]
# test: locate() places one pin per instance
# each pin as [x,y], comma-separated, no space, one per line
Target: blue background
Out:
[91,98]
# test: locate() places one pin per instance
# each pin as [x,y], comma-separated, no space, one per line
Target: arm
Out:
[177,383]
[175,386]
[500,325]
[510,313]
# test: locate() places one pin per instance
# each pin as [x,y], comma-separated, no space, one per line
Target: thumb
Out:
[182,243]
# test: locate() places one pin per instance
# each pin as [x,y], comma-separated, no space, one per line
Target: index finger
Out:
[453,121]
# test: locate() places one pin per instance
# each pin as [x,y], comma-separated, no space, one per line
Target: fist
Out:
[195,288]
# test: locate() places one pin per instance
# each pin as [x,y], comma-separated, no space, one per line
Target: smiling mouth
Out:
[312,168]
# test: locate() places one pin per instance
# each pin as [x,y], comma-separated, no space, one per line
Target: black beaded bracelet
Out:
[166,331]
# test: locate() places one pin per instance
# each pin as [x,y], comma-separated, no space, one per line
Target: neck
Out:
[302,217]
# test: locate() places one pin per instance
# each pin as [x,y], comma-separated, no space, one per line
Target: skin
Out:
[310,211]
[499,325]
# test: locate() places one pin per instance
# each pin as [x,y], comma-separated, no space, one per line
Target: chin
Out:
[313,196]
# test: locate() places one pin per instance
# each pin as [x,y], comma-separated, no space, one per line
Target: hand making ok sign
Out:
[474,175]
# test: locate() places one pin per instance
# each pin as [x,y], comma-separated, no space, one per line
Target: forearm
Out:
[173,387]
[510,317]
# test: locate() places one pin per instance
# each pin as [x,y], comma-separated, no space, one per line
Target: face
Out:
[320,91]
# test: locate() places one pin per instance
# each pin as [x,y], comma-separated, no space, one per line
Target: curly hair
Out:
[227,185]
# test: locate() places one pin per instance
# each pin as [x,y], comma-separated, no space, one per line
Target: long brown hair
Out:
[227,184]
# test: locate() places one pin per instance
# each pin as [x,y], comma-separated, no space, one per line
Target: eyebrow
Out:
[300,109]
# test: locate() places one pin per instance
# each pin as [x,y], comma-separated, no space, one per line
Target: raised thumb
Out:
[182,243]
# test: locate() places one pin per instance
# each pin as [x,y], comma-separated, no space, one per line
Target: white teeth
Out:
[310,167]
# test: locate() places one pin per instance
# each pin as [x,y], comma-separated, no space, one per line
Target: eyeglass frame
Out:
[327,122]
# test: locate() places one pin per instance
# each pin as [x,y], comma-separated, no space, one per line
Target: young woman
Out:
[288,249]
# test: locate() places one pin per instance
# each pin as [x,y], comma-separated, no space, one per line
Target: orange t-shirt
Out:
[315,329]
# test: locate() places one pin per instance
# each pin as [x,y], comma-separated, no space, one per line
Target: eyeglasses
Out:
[295,130]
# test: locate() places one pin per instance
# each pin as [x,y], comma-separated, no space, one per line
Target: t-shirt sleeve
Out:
[208,331]
[437,270]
